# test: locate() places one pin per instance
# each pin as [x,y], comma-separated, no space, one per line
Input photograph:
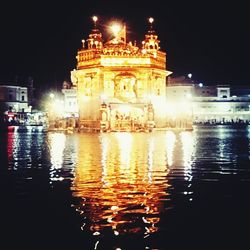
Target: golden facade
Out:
[120,86]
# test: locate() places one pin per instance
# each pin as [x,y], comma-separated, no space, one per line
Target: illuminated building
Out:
[14,98]
[179,96]
[121,86]
[70,100]
[221,104]
[15,108]
[14,102]
[210,104]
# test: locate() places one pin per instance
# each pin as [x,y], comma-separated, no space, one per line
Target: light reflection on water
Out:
[128,183]
[122,179]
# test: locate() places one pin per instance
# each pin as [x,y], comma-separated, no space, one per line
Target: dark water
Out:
[160,190]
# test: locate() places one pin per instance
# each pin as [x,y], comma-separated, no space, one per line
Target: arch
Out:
[125,86]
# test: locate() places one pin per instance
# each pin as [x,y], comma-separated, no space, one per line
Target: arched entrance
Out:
[125,88]
[127,117]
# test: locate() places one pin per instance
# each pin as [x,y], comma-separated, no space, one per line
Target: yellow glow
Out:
[125,142]
[125,109]
[127,181]
[115,28]
[119,61]
[107,65]
[103,97]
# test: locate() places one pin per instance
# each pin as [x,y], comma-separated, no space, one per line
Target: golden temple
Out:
[120,86]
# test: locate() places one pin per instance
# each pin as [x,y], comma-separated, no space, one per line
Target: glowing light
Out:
[125,143]
[103,97]
[114,208]
[151,20]
[188,149]
[200,84]
[95,18]
[57,145]
[96,244]
[125,109]
[125,61]
[170,143]
[125,168]
[189,75]
[115,29]
[58,107]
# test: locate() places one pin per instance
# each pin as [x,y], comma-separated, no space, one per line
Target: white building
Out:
[219,104]
[14,98]
[71,108]
[208,104]
[188,102]
[179,94]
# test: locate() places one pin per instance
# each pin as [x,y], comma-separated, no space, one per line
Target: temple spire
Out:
[95,37]
[151,21]
[151,42]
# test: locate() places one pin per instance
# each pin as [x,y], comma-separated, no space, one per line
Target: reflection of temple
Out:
[119,85]
[121,182]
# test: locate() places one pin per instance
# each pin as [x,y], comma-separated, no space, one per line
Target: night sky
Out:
[208,39]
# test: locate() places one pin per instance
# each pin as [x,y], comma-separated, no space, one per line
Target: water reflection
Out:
[122,182]
[63,151]
[57,145]
[170,143]
[146,184]
[24,150]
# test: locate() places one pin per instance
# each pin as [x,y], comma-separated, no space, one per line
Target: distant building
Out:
[71,108]
[15,108]
[30,86]
[179,95]
[217,104]
[14,98]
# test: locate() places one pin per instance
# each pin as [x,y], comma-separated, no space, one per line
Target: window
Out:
[22,97]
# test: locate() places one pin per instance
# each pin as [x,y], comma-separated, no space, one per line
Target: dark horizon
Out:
[208,40]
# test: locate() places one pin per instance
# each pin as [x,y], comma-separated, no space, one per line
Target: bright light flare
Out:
[57,144]
[170,144]
[125,109]
[115,28]
[151,20]
[95,18]
[103,97]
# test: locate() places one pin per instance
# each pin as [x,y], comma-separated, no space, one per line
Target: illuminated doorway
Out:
[127,117]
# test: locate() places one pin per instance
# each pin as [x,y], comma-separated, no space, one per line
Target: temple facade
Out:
[120,86]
